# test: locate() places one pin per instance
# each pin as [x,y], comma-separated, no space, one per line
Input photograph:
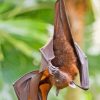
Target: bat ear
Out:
[72,85]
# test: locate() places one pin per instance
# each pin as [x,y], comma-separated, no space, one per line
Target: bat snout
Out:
[62,80]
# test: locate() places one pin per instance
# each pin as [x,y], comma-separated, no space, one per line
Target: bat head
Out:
[62,79]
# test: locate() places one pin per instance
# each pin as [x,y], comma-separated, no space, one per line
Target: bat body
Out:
[65,58]
[61,61]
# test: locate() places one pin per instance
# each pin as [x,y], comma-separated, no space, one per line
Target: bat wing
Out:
[24,86]
[83,69]
[47,55]
[31,87]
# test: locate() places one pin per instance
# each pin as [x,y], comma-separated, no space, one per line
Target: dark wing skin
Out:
[31,87]
[47,55]
[84,74]
[23,85]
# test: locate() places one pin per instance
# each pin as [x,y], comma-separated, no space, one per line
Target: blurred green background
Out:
[25,26]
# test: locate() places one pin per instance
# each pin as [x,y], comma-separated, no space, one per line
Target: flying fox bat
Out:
[62,59]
